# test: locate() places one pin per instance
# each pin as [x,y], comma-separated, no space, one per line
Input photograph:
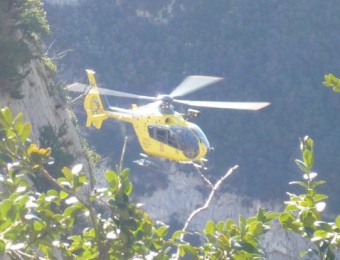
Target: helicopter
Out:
[162,132]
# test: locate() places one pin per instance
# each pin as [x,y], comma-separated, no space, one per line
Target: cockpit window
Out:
[176,136]
[187,140]
[159,133]
[198,131]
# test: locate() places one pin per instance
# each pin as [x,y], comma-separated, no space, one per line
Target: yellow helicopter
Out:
[162,132]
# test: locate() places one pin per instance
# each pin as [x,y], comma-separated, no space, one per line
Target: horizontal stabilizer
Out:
[78,87]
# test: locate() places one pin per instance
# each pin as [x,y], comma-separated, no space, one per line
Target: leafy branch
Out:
[105,224]
[333,82]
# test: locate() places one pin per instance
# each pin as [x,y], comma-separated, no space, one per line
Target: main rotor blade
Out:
[115,93]
[122,110]
[78,87]
[193,83]
[148,108]
[225,105]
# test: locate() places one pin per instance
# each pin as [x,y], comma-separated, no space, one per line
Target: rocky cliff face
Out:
[184,194]
[61,2]
[42,108]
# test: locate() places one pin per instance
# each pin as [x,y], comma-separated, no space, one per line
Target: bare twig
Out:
[205,179]
[214,188]
[49,47]
[47,175]
[122,155]
[73,101]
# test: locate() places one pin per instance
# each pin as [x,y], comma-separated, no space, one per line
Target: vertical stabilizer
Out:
[93,103]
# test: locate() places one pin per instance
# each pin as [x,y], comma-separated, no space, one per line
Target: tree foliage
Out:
[22,23]
[333,82]
[73,221]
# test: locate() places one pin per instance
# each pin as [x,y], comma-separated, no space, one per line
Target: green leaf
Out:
[127,187]
[26,132]
[243,223]
[318,197]
[260,216]
[147,228]
[291,207]
[5,207]
[256,228]
[248,248]
[181,250]
[321,225]
[285,218]
[300,183]
[68,174]
[187,248]
[178,234]
[111,176]
[308,158]
[271,215]
[38,226]
[301,165]
[64,182]
[63,194]
[209,228]
[125,173]
[7,115]
[89,233]
[220,227]
[307,219]
[162,231]
[337,222]
[19,118]
[320,234]
[83,179]
[317,183]
[304,253]
[2,247]
[72,210]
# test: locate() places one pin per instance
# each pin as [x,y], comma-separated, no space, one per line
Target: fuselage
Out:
[161,131]
[170,136]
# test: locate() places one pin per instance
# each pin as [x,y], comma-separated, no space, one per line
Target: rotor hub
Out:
[165,98]
[166,106]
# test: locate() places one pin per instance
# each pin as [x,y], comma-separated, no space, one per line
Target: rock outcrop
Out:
[184,194]
[43,108]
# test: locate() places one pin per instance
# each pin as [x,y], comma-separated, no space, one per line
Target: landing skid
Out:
[150,163]
[198,165]
[146,163]
[157,164]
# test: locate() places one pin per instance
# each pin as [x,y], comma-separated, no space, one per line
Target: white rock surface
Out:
[42,109]
[182,197]
[61,2]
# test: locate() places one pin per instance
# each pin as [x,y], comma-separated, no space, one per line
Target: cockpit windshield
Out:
[198,131]
[186,140]
[176,136]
